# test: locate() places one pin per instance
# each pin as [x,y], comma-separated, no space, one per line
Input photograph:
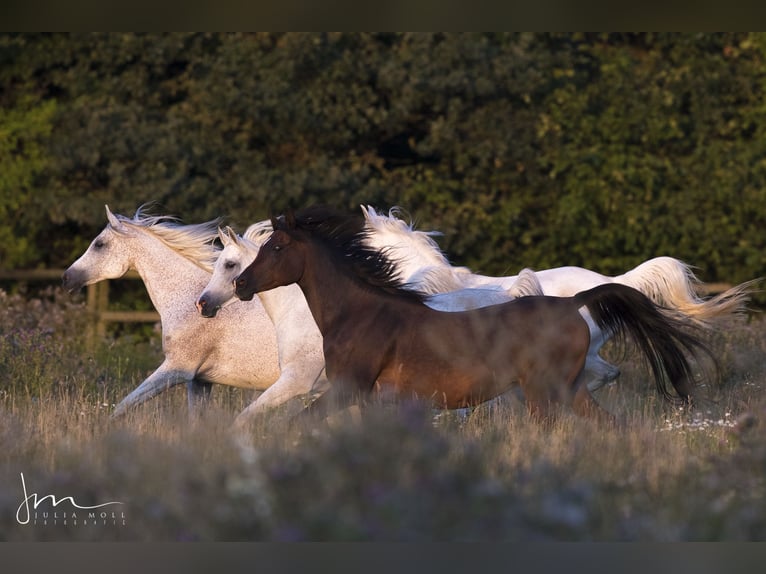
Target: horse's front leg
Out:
[293,382]
[160,380]
[346,387]
[197,395]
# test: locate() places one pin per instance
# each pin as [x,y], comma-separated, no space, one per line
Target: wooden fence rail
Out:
[97,299]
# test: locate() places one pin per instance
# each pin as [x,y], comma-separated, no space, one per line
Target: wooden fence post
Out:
[92,298]
[102,306]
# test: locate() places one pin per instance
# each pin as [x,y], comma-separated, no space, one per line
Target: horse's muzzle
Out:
[242,291]
[72,281]
[205,308]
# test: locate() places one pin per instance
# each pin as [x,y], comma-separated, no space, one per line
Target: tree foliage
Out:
[535,150]
[22,161]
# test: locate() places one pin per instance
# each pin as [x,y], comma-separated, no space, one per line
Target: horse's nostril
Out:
[69,281]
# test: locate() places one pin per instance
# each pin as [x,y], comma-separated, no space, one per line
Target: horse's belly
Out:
[450,388]
[244,370]
[260,380]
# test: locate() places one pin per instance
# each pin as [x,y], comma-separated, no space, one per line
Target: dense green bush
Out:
[533,150]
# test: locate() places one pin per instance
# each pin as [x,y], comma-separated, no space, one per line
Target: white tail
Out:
[671,283]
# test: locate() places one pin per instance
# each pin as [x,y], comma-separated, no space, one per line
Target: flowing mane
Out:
[194,242]
[259,232]
[434,274]
[346,236]
[436,279]
[394,224]
[252,239]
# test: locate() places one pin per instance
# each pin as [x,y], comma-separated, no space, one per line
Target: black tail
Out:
[661,334]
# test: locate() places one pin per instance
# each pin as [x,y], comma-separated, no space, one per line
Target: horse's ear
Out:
[223,235]
[286,221]
[369,212]
[233,237]
[113,221]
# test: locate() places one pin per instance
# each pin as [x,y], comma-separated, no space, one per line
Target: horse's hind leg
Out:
[541,399]
[599,372]
[540,410]
[585,405]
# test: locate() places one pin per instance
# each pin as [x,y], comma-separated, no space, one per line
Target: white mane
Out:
[433,273]
[259,232]
[195,242]
[251,240]
[393,225]
[439,279]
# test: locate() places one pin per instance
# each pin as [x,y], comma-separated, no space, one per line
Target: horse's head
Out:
[106,258]
[280,262]
[237,253]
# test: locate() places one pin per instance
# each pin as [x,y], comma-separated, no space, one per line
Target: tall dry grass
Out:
[398,474]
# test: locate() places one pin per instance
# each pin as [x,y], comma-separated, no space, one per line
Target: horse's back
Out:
[570,280]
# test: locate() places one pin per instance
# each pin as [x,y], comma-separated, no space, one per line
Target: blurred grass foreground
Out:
[399,474]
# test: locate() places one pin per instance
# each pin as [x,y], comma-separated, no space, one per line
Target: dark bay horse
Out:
[377,332]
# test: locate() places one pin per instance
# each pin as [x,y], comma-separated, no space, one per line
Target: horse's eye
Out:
[229,265]
[98,244]
[277,248]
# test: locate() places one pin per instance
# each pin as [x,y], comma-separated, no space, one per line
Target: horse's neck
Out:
[169,277]
[332,296]
[280,303]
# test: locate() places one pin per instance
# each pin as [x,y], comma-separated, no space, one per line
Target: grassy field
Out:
[399,474]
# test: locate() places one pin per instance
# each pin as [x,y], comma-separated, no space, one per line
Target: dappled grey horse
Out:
[174,262]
